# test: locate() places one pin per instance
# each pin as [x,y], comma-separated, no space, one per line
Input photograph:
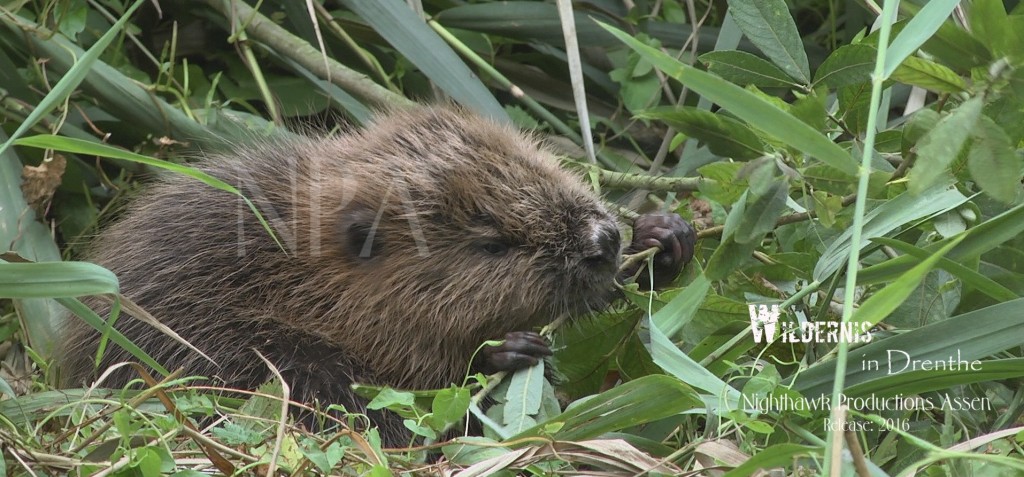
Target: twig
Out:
[858,454]
[371,63]
[492,383]
[622,180]
[133,403]
[504,82]
[631,260]
[262,29]
[283,419]
[211,453]
[716,231]
[241,40]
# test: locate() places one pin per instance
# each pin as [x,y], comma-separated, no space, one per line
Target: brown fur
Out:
[444,182]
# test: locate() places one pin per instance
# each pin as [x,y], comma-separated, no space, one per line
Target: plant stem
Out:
[262,29]
[784,220]
[622,180]
[832,463]
[504,82]
[242,40]
[371,63]
[514,90]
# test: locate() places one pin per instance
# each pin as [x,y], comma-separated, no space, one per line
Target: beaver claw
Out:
[673,235]
[521,349]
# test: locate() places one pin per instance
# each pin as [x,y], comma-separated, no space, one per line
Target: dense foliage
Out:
[856,164]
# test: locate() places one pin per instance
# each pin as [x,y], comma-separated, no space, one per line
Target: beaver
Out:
[406,245]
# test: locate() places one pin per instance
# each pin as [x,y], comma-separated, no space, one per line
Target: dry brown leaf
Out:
[611,456]
[719,453]
[39,182]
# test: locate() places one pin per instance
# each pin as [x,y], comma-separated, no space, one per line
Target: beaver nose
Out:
[607,242]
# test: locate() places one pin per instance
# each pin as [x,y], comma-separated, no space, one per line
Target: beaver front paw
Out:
[521,349]
[673,235]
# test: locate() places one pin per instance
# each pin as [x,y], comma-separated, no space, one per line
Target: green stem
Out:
[806,290]
[514,90]
[504,82]
[265,31]
[835,436]
[242,40]
[369,60]
[623,180]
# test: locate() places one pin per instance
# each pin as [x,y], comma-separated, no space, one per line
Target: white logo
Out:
[764,323]
[763,320]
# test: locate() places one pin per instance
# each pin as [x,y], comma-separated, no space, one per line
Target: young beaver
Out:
[409,244]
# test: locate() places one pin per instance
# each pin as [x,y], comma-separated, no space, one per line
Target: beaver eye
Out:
[496,248]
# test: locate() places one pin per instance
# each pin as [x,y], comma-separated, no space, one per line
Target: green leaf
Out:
[324,460]
[993,161]
[779,455]
[20,230]
[469,450]
[724,136]
[980,239]
[970,277]
[406,31]
[450,405]
[730,255]
[681,309]
[854,107]
[388,398]
[73,20]
[627,405]
[991,26]
[920,28]
[940,146]
[419,429]
[522,400]
[262,410]
[28,408]
[583,346]
[148,461]
[538,22]
[234,434]
[900,210]
[79,146]
[920,123]
[768,24]
[5,388]
[826,207]
[810,108]
[55,280]
[848,64]
[71,79]
[923,381]
[670,358]
[762,212]
[726,188]
[357,110]
[954,47]
[747,106]
[928,75]
[745,68]
[94,320]
[970,336]
[881,304]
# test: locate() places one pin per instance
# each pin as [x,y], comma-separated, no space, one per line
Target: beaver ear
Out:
[361,233]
